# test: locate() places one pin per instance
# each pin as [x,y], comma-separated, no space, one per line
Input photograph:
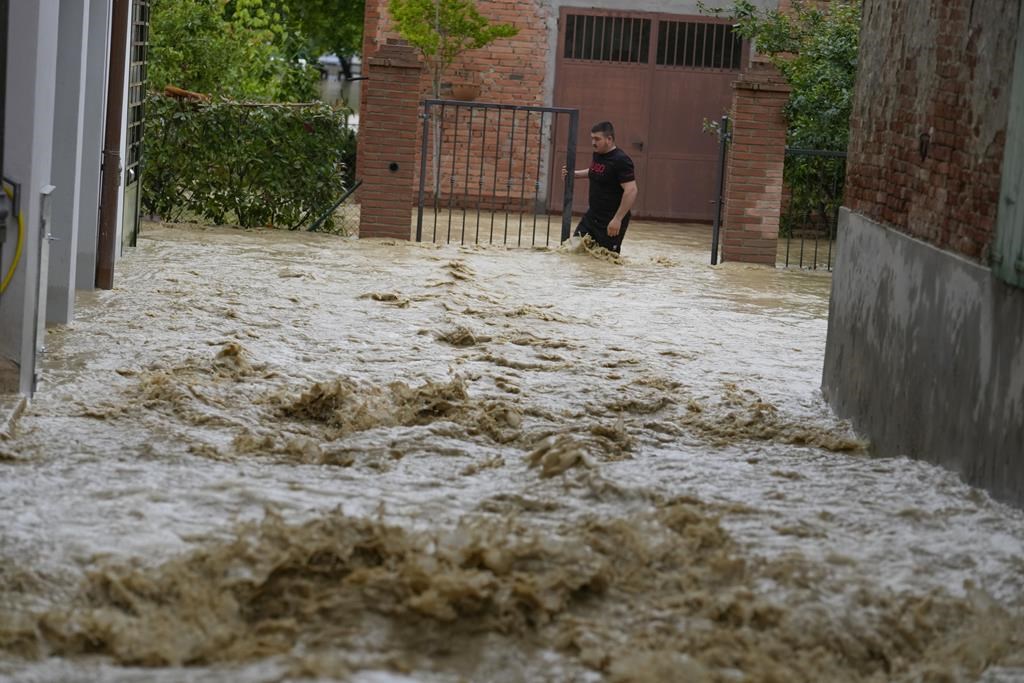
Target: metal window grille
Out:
[137,84]
[698,45]
[607,39]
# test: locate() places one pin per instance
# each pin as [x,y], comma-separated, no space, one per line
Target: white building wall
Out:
[72,59]
[28,140]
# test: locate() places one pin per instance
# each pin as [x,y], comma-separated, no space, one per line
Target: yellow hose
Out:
[17,250]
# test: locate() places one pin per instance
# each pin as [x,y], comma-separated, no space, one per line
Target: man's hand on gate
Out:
[614,225]
[565,171]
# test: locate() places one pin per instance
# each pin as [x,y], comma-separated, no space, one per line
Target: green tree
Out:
[247,49]
[193,47]
[327,25]
[816,51]
[443,29]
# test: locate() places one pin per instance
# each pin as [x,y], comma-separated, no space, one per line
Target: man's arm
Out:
[578,173]
[629,192]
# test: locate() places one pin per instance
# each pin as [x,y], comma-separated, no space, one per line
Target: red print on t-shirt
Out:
[596,167]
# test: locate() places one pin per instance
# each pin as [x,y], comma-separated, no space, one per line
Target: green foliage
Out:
[258,166]
[327,25]
[249,49]
[443,29]
[193,47]
[816,51]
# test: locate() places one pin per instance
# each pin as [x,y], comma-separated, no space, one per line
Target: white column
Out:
[97,54]
[72,57]
[28,140]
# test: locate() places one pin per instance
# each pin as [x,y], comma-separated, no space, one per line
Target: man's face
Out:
[602,143]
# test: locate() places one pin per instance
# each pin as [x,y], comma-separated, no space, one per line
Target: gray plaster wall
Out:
[925,356]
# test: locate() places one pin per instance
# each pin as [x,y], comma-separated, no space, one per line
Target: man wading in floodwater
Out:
[612,190]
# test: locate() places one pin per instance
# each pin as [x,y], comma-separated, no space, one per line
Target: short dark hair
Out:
[605,128]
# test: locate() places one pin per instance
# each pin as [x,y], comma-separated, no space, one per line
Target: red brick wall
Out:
[753,191]
[387,143]
[509,71]
[929,119]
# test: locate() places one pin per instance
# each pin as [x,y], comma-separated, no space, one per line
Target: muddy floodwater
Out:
[272,456]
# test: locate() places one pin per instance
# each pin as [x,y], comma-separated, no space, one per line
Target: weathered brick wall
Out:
[753,190]
[929,119]
[509,71]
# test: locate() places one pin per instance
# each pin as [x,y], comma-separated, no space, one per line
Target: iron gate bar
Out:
[451,193]
[570,178]
[723,143]
[494,183]
[508,179]
[522,179]
[536,182]
[437,172]
[469,150]
[480,187]
[423,174]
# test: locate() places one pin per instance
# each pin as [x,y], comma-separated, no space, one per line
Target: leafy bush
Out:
[257,165]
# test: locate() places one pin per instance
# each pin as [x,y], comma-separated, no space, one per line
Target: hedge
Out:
[254,165]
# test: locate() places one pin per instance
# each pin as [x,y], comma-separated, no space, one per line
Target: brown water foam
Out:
[634,597]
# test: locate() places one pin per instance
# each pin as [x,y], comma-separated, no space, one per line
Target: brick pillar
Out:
[753,192]
[388,122]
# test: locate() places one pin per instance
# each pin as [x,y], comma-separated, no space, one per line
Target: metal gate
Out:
[483,174]
[814,180]
[813,185]
[139,45]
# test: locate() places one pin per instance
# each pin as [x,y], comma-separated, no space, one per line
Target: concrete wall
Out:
[28,140]
[925,354]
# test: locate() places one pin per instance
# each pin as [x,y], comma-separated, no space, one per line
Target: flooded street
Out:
[273,456]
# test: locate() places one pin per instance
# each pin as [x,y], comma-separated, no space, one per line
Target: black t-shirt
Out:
[607,173]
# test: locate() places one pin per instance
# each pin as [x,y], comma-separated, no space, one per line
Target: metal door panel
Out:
[605,93]
[657,101]
[682,157]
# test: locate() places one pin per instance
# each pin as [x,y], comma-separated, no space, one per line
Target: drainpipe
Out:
[110,186]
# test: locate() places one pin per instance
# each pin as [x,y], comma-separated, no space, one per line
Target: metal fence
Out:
[812,194]
[486,171]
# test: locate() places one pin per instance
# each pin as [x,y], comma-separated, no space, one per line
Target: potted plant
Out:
[465,85]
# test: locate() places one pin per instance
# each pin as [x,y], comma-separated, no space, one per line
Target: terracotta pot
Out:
[465,91]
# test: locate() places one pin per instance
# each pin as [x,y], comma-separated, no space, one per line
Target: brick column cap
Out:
[396,57]
[764,77]
[761,85]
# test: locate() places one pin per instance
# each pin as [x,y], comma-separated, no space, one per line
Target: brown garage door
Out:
[656,77]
